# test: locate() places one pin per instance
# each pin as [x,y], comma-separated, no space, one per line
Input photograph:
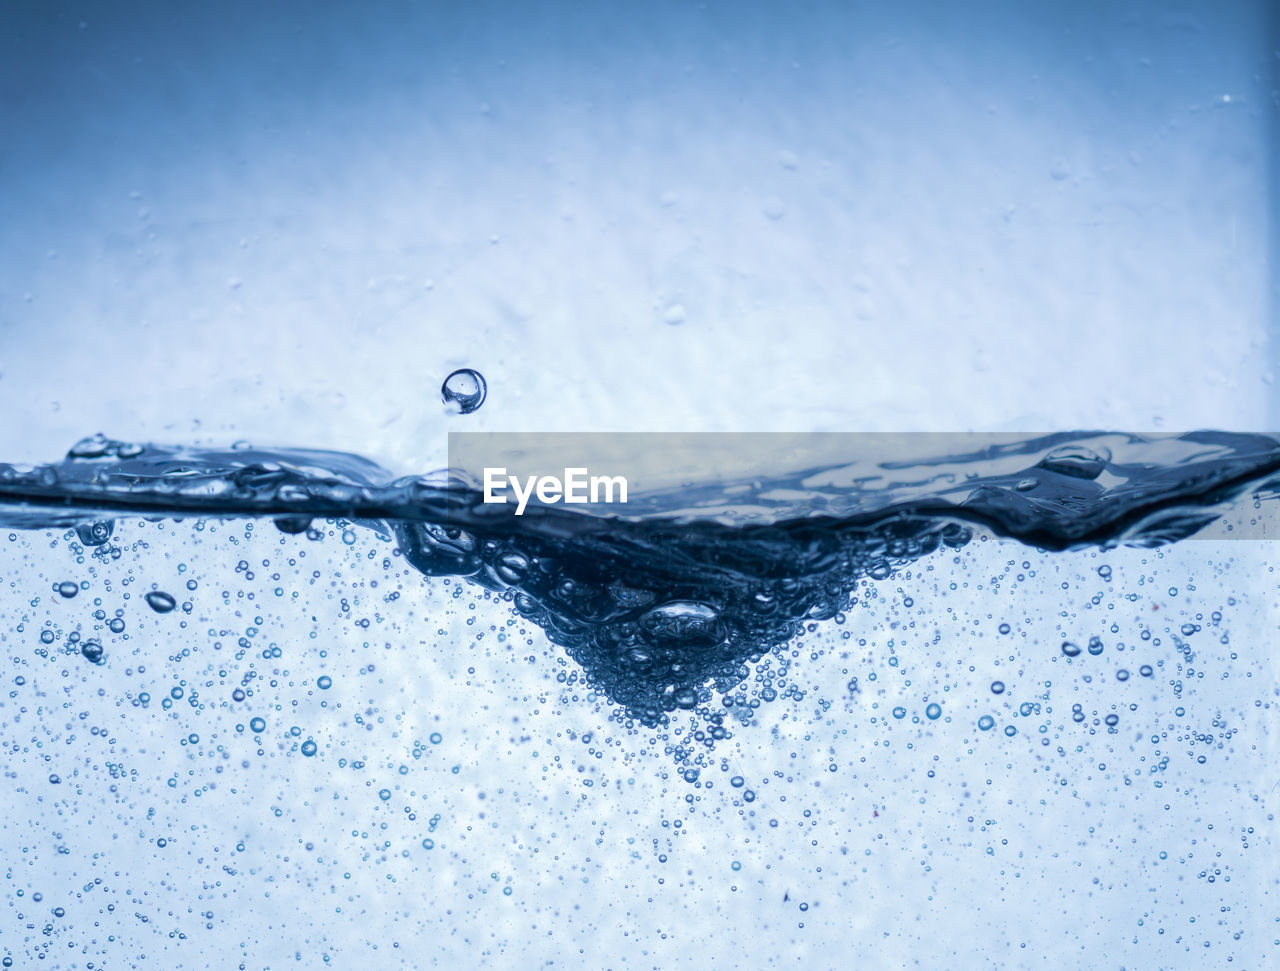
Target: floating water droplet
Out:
[1076,461]
[160,602]
[465,388]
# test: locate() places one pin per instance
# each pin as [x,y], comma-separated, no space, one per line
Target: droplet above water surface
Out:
[466,388]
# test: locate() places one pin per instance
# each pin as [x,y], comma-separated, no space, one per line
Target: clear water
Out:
[301,705]
[382,728]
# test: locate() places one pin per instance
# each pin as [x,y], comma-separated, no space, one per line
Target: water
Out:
[236,672]
[694,584]
[305,703]
[464,389]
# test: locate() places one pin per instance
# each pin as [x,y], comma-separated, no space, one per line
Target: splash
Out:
[665,608]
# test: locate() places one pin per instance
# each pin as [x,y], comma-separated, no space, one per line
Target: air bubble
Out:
[160,602]
[1075,461]
[95,533]
[464,389]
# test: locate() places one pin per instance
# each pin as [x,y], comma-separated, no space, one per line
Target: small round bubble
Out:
[465,388]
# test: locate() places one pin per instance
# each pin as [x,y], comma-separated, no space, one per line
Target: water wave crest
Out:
[672,600]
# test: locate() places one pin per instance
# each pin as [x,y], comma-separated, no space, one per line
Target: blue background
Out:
[287,223]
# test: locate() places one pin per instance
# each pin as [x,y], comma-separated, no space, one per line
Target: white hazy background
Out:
[288,224]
